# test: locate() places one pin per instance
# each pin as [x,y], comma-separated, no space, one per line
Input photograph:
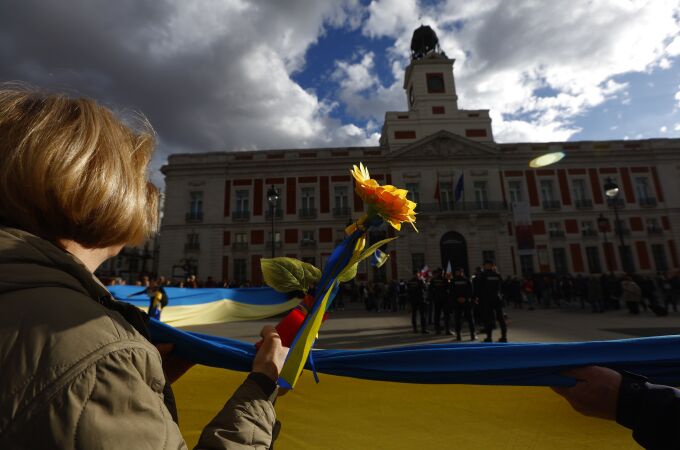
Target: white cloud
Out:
[676,127]
[663,129]
[677,98]
[506,51]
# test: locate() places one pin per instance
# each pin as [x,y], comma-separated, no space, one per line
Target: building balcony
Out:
[241,216]
[557,234]
[307,213]
[583,203]
[461,207]
[654,231]
[616,202]
[192,247]
[308,243]
[275,244]
[589,233]
[342,211]
[239,246]
[552,205]
[622,231]
[194,217]
[277,212]
[649,202]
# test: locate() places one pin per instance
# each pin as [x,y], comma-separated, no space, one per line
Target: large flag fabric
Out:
[460,186]
[207,306]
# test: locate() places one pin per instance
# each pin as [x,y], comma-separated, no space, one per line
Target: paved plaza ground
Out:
[356,328]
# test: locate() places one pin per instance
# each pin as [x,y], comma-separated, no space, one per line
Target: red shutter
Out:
[674,253]
[258,197]
[291,235]
[571,226]
[657,185]
[500,174]
[636,223]
[627,185]
[665,222]
[595,186]
[531,185]
[226,239]
[325,234]
[643,255]
[576,257]
[291,191]
[538,226]
[255,270]
[564,187]
[325,195]
[257,237]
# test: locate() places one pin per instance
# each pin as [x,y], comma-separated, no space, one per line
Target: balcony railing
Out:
[307,213]
[649,202]
[276,244]
[192,246]
[278,213]
[618,202]
[461,207]
[589,233]
[308,243]
[194,216]
[654,231]
[552,205]
[342,211]
[622,231]
[556,233]
[583,203]
[239,246]
[240,215]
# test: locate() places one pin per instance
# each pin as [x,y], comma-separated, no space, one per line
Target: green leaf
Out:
[349,273]
[351,269]
[288,274]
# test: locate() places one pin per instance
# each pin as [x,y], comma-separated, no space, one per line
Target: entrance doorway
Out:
[454,248]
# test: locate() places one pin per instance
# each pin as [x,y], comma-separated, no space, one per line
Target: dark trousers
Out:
[442,307]
[494,312]
[460,310]
[418,309]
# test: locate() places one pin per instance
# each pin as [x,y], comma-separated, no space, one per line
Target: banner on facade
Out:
[521,214]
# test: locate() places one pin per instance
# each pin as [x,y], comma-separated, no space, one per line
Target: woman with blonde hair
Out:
[78,370]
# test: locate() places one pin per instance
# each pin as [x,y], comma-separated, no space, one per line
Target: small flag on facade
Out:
[460,186]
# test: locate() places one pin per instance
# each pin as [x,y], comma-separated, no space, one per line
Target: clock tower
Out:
[431,98]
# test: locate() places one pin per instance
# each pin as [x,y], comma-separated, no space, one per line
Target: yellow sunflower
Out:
[387,201]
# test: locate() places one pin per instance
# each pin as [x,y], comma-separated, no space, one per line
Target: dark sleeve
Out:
[652,411]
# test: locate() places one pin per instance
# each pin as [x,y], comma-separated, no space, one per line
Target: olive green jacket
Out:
[74,374]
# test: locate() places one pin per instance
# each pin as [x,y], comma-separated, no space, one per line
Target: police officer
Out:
[439,293]
[415,288]
[491,305]
[461,294]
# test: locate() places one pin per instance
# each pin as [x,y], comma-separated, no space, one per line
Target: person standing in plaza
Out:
[461,294]
[631,294]
[439,294]
[416,289]
[490,285]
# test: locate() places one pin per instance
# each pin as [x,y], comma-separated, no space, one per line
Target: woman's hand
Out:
[596,392]
[173,366]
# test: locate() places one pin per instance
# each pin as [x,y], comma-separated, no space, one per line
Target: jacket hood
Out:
[27,262]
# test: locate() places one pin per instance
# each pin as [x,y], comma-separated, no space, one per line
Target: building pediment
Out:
[445,144]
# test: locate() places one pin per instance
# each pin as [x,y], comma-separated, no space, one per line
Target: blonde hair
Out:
[70,169]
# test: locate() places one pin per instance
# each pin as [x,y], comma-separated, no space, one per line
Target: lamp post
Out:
[612,191]
[603,225]
[273,200]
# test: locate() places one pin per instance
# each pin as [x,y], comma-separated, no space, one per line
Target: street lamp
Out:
[603,226]
[612,191]
[273,200]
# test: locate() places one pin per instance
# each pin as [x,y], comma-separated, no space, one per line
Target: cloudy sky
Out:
[235,74]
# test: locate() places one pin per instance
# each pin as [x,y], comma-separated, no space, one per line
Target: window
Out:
[341,201]
[488,255]
[560,260]
[481,194]
[446,196]
[308,199]
[435,83]
[547,191]
[417,262]
[659,255]
[587,227]
[277,237]
[196,205]
[192,241]
[240,238]
[413,192]
[308,235]
[240,270]
[555,229]
[593,257]
[642,188]
[526,263]
[515,188]
[580,190]
[242,201]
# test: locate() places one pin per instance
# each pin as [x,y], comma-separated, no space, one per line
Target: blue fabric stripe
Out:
[520,364]
[187,296]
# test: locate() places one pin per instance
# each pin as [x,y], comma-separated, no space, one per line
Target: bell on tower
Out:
[424,42]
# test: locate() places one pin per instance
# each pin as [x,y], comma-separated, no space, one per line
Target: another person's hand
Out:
[596,392]
[271,354]
[173,366]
